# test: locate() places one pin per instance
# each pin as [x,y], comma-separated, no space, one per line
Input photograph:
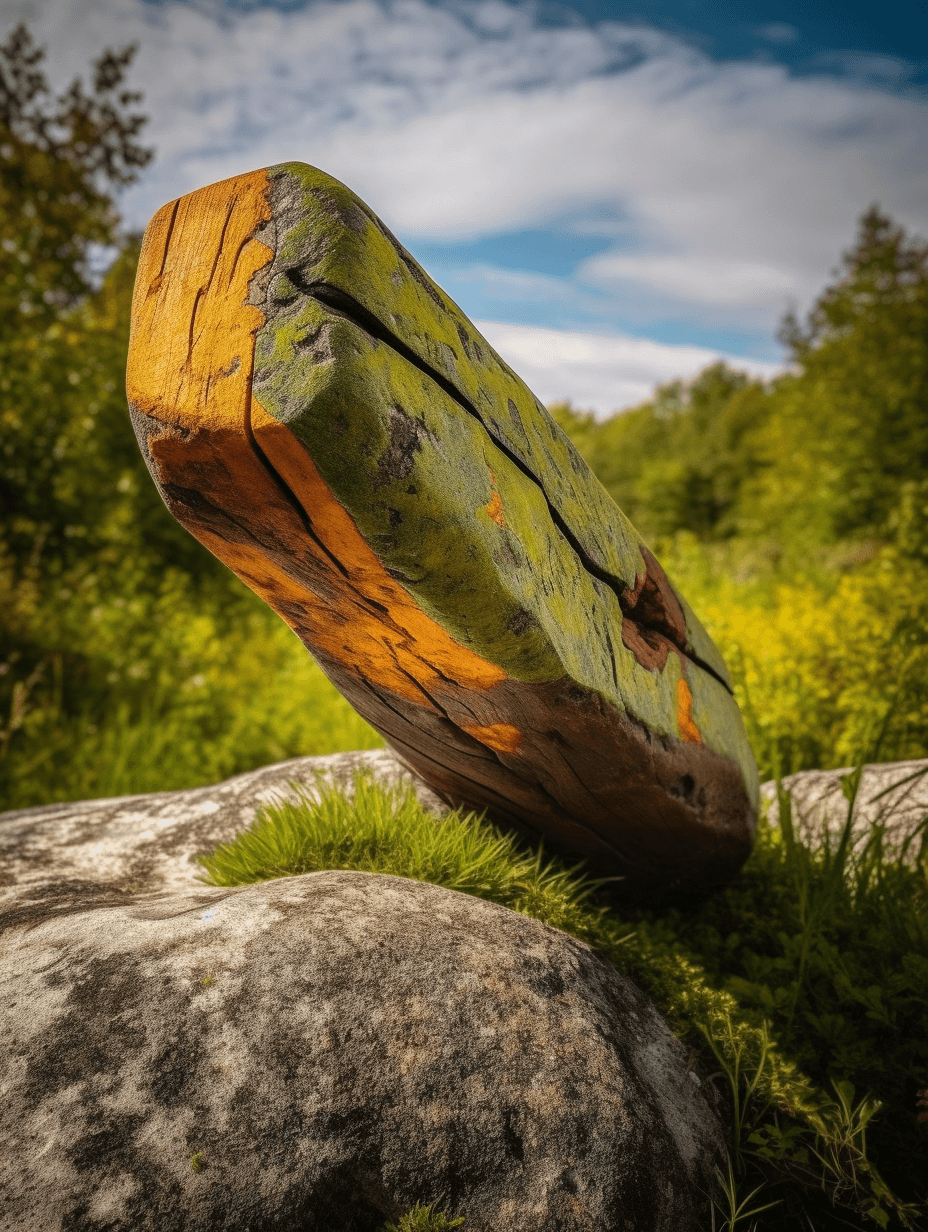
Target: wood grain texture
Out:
[323,418]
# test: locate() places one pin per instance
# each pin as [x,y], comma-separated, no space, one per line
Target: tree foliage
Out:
[66,459]
[847,437]
[835,450]
[681,460]
[58,158]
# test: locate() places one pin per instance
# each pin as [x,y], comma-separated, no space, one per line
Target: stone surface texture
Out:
[895,794]
[146,844]
[316,1052]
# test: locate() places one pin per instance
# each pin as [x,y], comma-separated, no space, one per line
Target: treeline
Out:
[834,451]
[794,515]
[130,659]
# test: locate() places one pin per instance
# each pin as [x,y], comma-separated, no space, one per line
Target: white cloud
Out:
[600,373]
[717,281]
[866,66]
[738,185]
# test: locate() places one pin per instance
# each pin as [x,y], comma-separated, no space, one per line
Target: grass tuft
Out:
[378,830]
[423,1219]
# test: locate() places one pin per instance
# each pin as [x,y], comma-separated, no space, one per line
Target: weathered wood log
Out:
[327,422]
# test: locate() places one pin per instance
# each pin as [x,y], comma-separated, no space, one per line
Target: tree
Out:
[846,438]
[59,159]
[73,488]
[678,461]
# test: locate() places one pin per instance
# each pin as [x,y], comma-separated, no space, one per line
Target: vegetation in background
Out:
[803,987]
[59,155]
[130,659]
[794,516]
[826,661]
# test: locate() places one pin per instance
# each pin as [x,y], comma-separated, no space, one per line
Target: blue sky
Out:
[868,43]
[795,32]
[616,192]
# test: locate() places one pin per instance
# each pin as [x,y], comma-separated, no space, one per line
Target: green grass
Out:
[423,1219]
[803,986]
[377,830]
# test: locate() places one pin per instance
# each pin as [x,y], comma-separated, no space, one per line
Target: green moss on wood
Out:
[434,488]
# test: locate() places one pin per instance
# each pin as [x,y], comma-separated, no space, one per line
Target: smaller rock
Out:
[892,793]
[147,844]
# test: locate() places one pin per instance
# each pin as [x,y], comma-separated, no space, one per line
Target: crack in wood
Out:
[659,624]
[548,752]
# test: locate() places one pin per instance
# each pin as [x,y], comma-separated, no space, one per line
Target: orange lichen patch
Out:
[495,507]
[261,505]
[688,729]
[502,737]
[192,347]
[410,637]
[495,510]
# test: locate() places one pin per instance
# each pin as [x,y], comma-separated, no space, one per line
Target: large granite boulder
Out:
[316,1052]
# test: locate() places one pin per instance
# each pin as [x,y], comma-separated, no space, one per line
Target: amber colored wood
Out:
[193,331]
[550,758]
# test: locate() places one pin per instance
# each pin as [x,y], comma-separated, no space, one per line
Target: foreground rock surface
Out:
[105,850]
[322,1052]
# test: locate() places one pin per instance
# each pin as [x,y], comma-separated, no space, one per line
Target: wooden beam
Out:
[325,420]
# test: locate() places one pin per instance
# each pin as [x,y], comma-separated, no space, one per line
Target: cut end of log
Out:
[191,357]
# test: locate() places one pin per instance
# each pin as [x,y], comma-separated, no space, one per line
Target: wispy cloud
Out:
[737,184]
[866,66]
[721,281]
[777,32]
[598,372]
